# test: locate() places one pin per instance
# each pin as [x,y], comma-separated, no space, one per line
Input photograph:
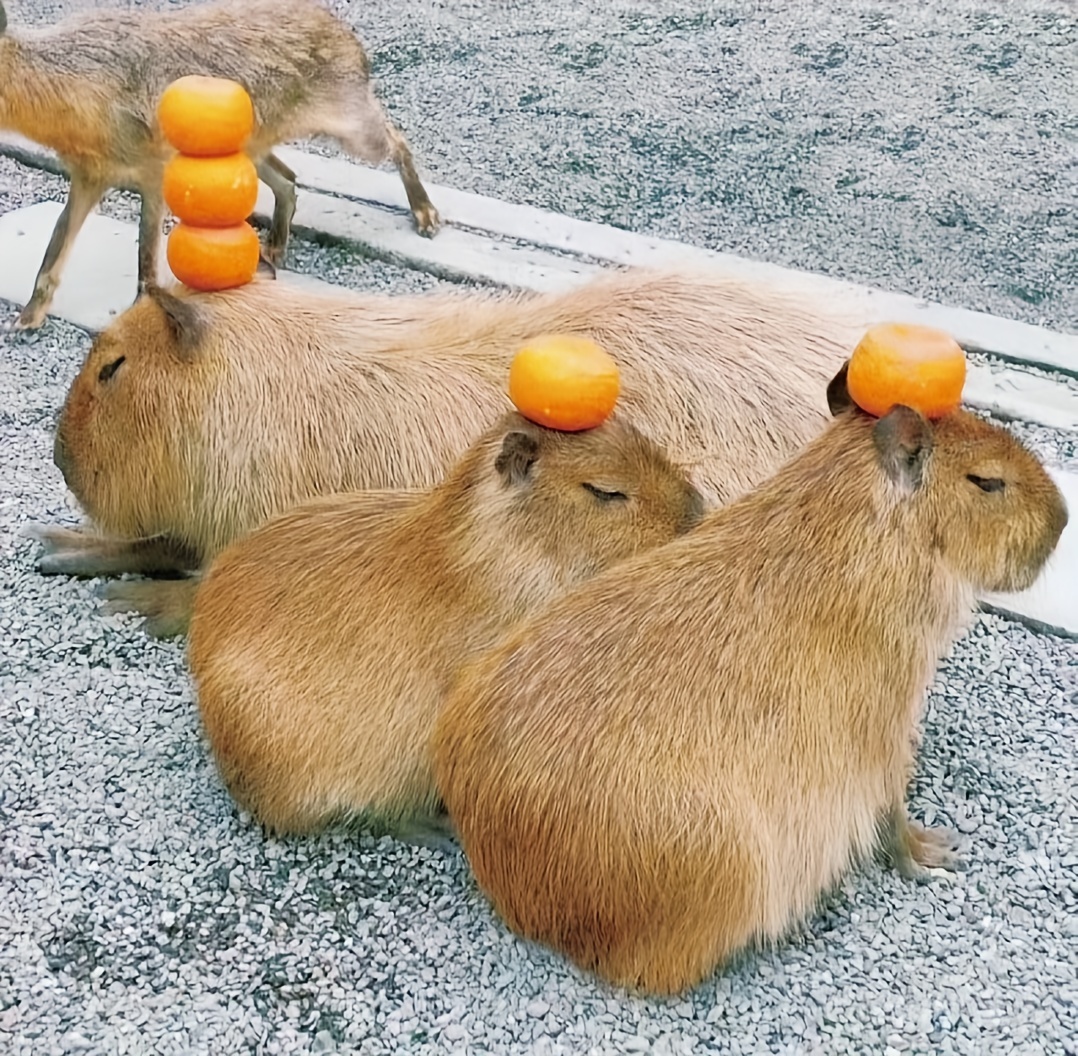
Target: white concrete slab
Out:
[454,253]
[1051,604]
[101,277]
[100,280]
[1014,393]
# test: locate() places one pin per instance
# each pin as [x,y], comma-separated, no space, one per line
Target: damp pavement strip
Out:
[141,913]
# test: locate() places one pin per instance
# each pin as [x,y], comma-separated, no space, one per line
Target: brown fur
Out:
[88,89]
[228,408]
[321,644]
[675,760]
[164,604]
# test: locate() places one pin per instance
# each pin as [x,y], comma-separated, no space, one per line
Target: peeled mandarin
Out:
[564,382]
[918,366]
[213,258]
[206,116]
[211,192]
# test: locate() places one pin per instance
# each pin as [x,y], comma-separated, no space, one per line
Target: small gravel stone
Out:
[324,1042]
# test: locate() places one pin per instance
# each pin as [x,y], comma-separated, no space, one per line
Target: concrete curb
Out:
[101,281]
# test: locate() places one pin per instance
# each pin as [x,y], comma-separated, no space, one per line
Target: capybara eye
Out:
[605,496]
[109,369]
[988,484]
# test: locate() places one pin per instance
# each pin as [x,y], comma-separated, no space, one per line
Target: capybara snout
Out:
[1005,514]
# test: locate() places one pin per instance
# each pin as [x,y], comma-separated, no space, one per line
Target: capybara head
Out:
[116,439]
[573,502]
[984,502]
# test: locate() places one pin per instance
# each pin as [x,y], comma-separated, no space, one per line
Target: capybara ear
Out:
[518,454]
[265,268]
[183,319]
[903,440]
[838,396]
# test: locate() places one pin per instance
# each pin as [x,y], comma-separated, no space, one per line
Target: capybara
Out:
[88,89]
[673,761]
[322,643]
[197,416]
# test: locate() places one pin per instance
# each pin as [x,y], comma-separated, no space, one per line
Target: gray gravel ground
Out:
[139,912]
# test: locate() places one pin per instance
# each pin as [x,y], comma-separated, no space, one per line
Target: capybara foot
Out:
[85,554]
[436,832]
[922,853]
[165,604]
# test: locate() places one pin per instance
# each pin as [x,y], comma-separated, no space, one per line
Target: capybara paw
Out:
[64,551]
[435,832]
[59,546]
[40,533]
[427,220]
[928,852]
[164,625]
[162,603]
[120,596]
[61,563]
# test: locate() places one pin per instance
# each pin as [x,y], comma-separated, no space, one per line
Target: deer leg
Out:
[83,195]
[280,179]
[150,217]
[366,132]
[426,216]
